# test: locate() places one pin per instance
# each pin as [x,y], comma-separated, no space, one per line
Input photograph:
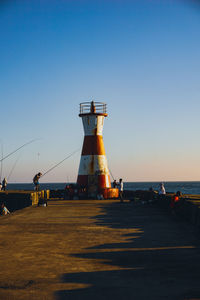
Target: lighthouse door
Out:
[92,185]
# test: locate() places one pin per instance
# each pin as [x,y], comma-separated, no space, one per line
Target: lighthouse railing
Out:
[100,107]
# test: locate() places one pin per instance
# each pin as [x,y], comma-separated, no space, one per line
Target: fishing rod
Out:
[11,171]
[60,162]
[1,161]
[3,158]
[111,174]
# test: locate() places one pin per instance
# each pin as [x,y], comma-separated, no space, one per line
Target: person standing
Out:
[162,189]
[121,188]
[36,180]
[4,184]
[114,184]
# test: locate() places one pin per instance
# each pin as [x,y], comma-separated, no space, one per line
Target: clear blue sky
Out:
[140,57]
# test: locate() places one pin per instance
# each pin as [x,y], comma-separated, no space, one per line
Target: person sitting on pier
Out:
[36,180]
[175,201]
[4,210]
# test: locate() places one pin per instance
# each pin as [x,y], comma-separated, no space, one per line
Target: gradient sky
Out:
[140,57]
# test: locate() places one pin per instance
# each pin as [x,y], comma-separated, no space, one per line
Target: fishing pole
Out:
[1,161]
[11,171]
[111,174]
[60,162]
[18,149]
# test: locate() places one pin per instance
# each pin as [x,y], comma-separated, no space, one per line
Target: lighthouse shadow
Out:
[152,262]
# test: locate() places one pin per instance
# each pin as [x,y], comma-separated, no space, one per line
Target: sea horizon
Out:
[186,187]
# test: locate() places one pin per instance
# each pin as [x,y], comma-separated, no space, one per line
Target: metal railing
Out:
[93,107]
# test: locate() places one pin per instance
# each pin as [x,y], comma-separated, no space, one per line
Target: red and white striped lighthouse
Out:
[93,170]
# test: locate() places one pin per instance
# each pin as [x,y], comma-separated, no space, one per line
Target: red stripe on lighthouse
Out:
[103,181]
[93,145]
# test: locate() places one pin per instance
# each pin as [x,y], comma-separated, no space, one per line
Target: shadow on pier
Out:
[158,259]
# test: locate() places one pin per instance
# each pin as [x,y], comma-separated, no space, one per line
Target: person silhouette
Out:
[36,180]
[4,184]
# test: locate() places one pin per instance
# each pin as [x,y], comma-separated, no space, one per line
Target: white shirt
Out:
[162,190]
[121,186]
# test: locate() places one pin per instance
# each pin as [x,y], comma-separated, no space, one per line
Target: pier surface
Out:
[98,250]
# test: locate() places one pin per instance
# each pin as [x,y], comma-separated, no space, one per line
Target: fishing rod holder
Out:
[93,107]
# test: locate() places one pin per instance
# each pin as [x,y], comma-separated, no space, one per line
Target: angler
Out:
[36,180]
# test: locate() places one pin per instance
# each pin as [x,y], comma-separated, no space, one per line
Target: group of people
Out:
[175,199]
[3,184]
[36,178]
[3,209]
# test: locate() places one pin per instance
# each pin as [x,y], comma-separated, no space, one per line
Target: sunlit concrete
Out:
[97,250]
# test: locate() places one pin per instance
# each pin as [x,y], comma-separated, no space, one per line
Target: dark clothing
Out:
[4,184]
[36,181]
[121,196]
[174,201]
[114,184]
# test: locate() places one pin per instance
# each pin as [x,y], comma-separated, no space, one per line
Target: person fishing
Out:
[4,184]
[121,188]
[36,180]
[39,175]
[114,184]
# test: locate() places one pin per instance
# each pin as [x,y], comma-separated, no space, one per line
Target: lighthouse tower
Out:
[93,170]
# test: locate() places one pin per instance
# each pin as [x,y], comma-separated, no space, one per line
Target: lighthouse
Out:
[93,171]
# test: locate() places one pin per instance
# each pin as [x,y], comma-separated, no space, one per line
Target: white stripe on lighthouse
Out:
[108,180]
[93,124]
[93,165]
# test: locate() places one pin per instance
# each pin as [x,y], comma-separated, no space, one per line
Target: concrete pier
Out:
[15,200]
[102,249]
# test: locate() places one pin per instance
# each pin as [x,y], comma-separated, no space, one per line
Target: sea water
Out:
[186,187]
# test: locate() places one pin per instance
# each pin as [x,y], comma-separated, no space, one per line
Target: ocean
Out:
[186,187]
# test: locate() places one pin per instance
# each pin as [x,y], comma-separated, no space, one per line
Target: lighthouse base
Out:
[102,193]
[110,193]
